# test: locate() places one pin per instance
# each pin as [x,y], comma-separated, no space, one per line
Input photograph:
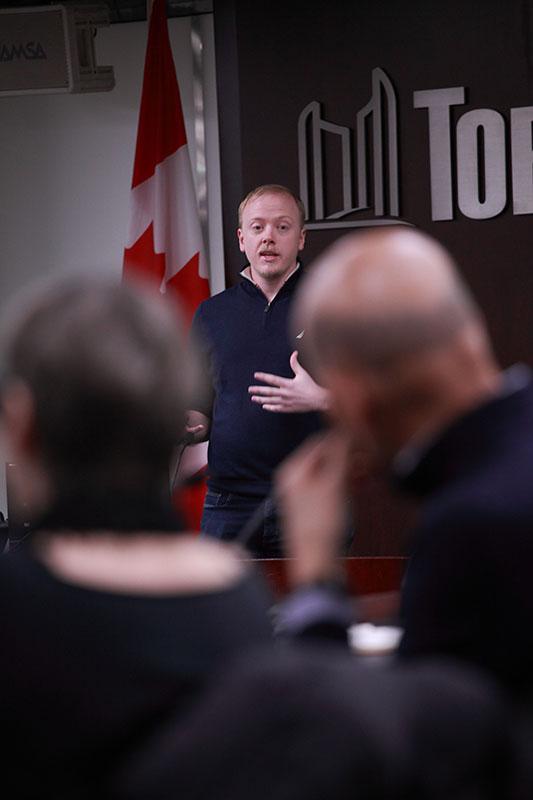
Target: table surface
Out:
[366,575]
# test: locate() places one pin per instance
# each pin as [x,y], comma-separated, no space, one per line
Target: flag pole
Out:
[197,48]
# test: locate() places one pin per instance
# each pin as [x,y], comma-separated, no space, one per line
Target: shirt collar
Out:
[411,454]
[247,273]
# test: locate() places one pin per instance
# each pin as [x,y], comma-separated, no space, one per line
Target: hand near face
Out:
[289,395]
[311,492]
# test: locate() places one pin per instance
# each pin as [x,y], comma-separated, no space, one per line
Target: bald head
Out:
[394,334]
[378,296]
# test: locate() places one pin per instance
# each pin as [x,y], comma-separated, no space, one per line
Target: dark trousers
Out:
[251,520]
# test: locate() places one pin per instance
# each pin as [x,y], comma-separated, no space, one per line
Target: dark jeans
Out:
[252,521]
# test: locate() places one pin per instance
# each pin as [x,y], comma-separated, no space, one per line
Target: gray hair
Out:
[106,366]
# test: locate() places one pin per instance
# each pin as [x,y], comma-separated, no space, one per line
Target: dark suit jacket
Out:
[468,590]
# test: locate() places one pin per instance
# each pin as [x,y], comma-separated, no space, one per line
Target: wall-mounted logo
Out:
[27,50]
[377,189]
[470,159]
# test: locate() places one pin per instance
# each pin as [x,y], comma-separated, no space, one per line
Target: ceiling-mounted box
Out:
[49,49]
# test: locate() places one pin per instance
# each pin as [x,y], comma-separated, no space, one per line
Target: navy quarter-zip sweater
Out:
[239,333]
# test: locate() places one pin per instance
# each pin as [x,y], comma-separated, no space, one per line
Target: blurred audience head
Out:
[307,724]
[94,383]
[393,331]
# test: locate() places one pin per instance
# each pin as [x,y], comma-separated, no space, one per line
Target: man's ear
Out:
[240,237]
[18,417]
[301,243]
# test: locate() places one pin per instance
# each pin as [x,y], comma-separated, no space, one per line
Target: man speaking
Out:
[261,403]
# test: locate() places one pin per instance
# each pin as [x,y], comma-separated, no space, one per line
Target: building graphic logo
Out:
[478,162]
[377,188]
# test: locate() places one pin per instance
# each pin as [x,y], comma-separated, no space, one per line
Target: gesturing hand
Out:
[289,395]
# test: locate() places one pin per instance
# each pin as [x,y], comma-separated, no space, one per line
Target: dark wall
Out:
[273,58]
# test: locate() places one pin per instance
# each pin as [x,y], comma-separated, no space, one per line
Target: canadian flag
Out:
[165,239]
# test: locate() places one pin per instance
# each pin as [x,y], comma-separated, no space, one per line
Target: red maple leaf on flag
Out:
[165,243]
